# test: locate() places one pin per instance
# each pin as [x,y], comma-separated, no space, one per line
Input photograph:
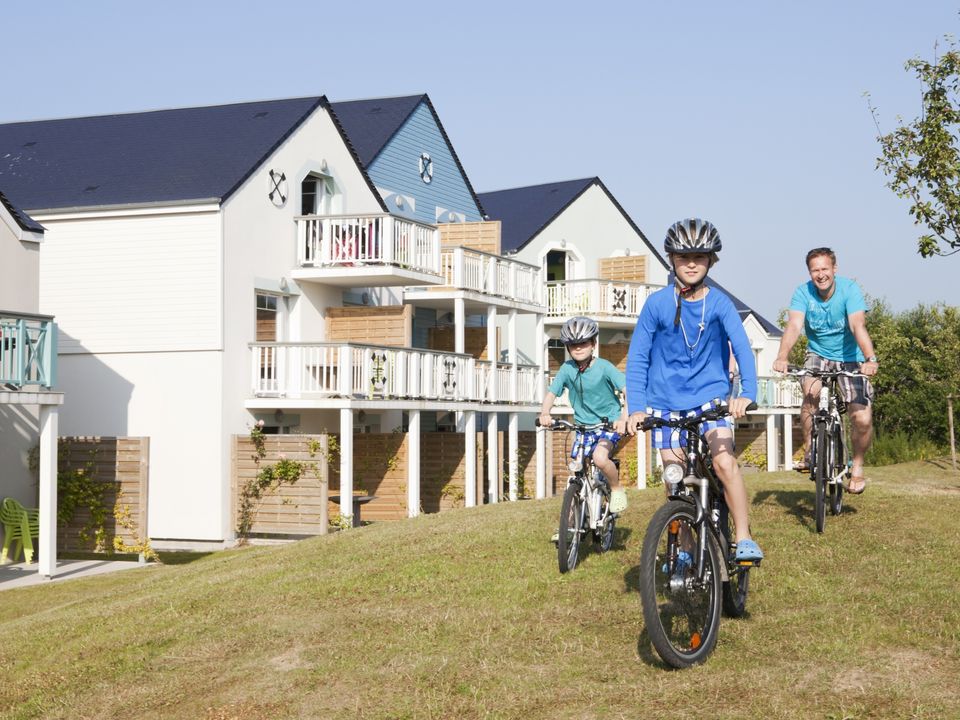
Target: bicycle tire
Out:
[839,466]
[821,476]
[607,530]
[681,614]
[735,589]
[570,529]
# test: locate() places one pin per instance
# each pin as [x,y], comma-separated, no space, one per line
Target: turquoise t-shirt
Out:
[594,393]
[826,322]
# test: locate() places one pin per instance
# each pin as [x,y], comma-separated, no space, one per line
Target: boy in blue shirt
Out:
[595,386]
[679,362]
[832,312]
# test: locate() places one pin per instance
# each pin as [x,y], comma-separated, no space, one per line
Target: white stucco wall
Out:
[592,228]
[20,261]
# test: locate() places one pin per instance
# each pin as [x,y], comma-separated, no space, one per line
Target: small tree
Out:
[921,158]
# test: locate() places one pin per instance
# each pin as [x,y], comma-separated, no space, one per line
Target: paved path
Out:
[22,575]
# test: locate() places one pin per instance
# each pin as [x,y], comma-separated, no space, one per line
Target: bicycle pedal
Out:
[749,563]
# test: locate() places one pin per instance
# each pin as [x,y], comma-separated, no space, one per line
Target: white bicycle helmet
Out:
[691,236]
[578,329]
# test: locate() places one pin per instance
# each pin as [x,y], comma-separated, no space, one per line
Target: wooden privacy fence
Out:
[121,467]
[379,469]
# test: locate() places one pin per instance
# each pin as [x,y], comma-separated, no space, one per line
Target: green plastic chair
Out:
[20,526]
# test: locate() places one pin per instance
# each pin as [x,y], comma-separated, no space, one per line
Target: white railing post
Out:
[436,250]
[365,377]
[387,240]
[414,374]
[326,238]
[345,365]
[429,389]
[458,269]
[400,372]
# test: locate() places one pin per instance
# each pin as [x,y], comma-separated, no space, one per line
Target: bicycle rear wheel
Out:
[571,526]
[839,466]
[736,588]
[821,475]
[680,611]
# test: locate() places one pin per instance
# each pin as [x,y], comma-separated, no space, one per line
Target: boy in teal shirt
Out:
[595,386]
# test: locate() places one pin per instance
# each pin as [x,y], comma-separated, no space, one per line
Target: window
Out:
[267,326]
[316,195]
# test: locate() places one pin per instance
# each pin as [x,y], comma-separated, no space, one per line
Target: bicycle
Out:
[830,461]
[688,570]
[586,502]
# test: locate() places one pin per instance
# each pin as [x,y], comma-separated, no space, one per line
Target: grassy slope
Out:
[464,615]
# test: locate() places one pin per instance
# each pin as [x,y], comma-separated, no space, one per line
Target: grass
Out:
[464,615]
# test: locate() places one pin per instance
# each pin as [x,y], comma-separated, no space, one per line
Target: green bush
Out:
[899,446]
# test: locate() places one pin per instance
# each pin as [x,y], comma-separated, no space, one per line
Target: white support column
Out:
[541,358]
[513,464]
[541,464]
[470,450]
[460,322]
[49,423]
[413,465]
[512,353]
[642,460]
[493,459]
[771,443]
[787,441]
[346,462]
[492,352]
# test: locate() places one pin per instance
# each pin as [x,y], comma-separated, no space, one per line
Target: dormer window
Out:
[316,195]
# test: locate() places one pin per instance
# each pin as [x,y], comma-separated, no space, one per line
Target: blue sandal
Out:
[748,551]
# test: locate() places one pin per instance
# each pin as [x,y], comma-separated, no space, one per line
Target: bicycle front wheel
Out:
[822,475]
[571,526]
[839,467]
[681,601]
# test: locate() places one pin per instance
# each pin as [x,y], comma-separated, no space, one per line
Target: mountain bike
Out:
[586,501]
[830,461]
[688,570]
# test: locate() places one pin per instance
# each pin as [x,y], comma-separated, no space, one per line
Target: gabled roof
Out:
[163,156]
[524,212]
[22,219]
[370,124]
[743,310]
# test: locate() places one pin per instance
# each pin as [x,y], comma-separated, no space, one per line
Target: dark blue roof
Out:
[742,308]
[524,212]
[151,157]
[23,220]
[369,124]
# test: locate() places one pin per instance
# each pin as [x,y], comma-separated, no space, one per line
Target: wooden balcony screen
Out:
[484,236]
[627,268]
[391,325]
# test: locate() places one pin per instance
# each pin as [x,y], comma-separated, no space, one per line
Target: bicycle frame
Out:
[593,484]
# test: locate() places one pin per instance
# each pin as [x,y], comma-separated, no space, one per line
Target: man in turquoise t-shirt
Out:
[832,312]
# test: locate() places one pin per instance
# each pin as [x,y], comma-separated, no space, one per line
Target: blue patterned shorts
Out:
[671,438]
[589,441]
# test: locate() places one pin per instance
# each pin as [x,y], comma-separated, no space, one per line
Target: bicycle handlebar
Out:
[689,423]
[561,424]
[809,372]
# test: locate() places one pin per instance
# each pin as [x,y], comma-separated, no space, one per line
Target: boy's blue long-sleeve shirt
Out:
[664,373]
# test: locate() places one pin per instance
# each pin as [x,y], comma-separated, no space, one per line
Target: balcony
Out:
[369,372]
[612,303]
[500,280]
[366,250]
[28,350]
[779,392]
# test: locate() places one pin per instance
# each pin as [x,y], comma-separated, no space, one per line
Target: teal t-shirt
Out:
[825,322]
[594,393]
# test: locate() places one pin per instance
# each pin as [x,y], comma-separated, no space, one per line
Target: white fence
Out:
[469,269]
[597,298]
[350,240]
[366,371]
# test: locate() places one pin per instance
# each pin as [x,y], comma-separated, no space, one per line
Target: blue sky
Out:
[750,114]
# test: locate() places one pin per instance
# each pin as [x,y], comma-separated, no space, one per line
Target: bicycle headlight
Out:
[672,473]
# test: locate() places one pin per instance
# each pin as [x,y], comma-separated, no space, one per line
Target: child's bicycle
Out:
[687,565]
[830,461]
[586,502]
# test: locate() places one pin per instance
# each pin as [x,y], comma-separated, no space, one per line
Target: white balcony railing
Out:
[366,371]
[779,392]
[469,269]
[28,350]
[597,298]
[351,240]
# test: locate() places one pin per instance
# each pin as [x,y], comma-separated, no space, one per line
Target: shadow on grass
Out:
[800,504]
[181,557]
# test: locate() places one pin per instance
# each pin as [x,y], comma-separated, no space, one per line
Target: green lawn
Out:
[464,615]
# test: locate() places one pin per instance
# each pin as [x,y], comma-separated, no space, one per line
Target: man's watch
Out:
[872,358]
